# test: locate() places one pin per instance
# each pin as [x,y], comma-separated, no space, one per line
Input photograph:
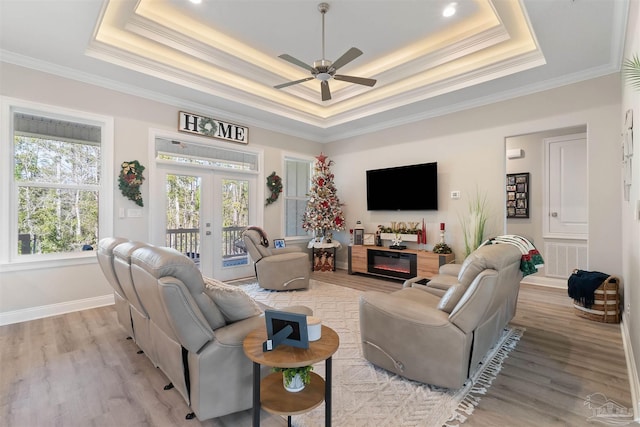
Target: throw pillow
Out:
[451,298]
[234,303]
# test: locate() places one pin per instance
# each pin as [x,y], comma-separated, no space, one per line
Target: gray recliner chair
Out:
[439,333]
[276,269]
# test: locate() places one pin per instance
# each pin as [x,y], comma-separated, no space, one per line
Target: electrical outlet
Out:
[628,307]
[455,194]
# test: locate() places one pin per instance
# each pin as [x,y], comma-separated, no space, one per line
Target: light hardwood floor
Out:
[79,369]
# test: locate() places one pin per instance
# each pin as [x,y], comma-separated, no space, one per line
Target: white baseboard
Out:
[549,282]
[632,369]
[33,313]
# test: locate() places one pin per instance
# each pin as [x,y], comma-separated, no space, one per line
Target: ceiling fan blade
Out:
[293,83]
[357,80]
[326,93]
[347,57]
[297,62]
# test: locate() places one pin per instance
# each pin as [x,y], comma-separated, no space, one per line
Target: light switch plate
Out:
[455,194]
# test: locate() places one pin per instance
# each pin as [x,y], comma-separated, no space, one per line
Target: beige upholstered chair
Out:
[106,261]
[277,269]
[439,334]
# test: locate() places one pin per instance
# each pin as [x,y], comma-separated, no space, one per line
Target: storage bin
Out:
[606,307]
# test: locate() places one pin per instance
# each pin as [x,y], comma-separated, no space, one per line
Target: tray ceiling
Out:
[221,57]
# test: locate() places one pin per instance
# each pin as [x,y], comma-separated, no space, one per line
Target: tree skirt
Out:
[365,395]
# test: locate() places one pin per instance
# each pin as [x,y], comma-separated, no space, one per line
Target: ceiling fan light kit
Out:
[325,70]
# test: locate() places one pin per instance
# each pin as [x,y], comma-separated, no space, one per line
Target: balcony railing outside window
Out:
[187,241]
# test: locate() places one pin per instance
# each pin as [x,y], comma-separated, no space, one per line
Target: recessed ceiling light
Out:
[196,1]
[450,10]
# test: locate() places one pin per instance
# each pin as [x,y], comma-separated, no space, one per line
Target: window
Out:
[297,180]
[59,201]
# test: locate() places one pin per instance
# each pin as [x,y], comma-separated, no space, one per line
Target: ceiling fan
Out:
[323,69]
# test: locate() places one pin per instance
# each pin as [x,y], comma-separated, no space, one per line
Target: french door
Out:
[206,212]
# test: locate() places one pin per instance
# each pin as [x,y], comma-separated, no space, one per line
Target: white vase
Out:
[295,385]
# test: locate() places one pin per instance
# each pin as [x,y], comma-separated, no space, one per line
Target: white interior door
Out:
[566,187]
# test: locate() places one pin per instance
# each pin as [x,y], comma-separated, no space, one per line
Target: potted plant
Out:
[294,379]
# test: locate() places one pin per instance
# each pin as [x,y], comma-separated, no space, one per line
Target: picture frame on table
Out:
[277,321]
[279,243]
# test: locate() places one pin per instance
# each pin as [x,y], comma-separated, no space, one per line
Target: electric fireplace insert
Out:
[392,264]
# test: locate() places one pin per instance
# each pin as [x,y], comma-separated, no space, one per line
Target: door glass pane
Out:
[235,217]
[183,214]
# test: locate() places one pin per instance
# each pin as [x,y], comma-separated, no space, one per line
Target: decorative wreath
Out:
[130,180]
[274,184]
[207,126]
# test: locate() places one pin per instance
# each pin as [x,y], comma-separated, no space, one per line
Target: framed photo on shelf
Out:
[518,195]
[369,239]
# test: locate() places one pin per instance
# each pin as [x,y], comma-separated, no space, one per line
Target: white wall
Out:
[629,217]
[26,290]
[470,150]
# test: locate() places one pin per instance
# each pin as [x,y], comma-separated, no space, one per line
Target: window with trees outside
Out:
[297,179]
[56,199]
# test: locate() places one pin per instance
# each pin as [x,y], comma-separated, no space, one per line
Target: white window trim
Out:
[293,156]
[9,211]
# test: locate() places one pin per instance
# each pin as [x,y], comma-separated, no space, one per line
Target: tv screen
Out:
[404,188]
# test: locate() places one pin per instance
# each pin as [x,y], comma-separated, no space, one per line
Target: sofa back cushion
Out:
[451,298]
[234,303]
[160,262]
[253,241]
[122,264]
[490,287]
[105,256]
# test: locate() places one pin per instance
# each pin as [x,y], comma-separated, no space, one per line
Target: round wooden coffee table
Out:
[270,393]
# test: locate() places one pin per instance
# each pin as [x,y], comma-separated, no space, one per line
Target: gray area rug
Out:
[364,395]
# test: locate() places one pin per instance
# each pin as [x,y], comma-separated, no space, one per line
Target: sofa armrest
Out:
[234,334]
[450,269]
[411,283]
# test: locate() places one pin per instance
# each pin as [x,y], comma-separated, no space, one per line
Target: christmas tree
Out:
[323,211]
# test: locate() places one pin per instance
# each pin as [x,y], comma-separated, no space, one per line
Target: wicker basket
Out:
[606,307]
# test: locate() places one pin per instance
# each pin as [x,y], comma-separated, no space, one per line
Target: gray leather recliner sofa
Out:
[191,328]
[439,333]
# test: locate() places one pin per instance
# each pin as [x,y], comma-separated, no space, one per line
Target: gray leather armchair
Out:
[277,269]
[439,334]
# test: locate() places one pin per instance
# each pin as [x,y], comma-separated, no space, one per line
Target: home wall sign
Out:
[212,128]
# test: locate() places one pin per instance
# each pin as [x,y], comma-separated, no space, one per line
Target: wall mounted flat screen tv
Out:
[404,188]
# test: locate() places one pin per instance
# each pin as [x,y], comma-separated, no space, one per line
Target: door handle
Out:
[208,233]
[554,214]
